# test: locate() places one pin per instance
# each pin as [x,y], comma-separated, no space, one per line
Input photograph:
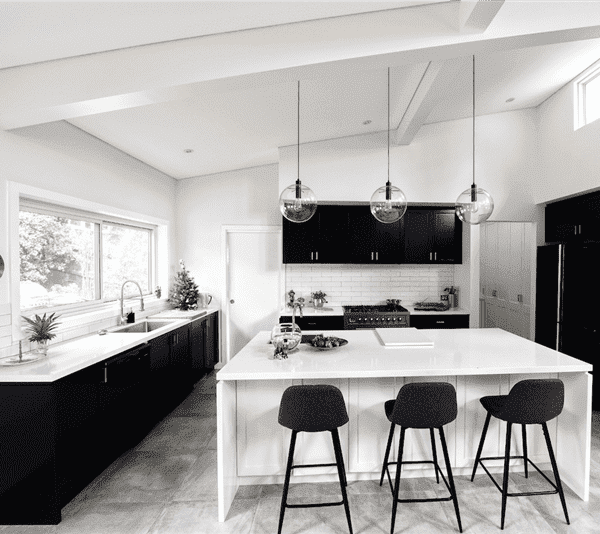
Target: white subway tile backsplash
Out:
[5,319]
[370,284]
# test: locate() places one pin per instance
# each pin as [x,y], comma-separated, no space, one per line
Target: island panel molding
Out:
[478,362]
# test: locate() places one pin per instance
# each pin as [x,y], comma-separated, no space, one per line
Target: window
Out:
[587,96]
[70,258]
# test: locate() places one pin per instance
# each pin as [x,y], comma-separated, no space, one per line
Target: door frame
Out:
[226,231]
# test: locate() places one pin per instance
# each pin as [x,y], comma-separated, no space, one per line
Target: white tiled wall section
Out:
[370,284]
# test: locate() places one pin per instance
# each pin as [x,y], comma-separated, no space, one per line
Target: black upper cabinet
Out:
[371,241]
[350,234]
[321,239]
[573,220]
[432,236]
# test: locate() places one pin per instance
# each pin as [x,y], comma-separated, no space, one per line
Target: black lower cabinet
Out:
[328,322]
[204,345]
[56,438]
[439,321]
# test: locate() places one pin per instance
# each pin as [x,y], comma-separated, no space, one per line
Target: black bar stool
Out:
[421,405]
[529,402]
[317,408]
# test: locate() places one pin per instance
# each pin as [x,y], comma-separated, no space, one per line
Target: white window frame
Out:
[18,192]
[580,94]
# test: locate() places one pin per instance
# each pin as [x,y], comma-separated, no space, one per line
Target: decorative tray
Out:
[314,341]
[28,357]
[431,306]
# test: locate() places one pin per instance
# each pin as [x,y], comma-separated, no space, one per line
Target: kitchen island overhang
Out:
[251,445]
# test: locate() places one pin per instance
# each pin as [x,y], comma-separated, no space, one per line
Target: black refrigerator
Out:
[567,311]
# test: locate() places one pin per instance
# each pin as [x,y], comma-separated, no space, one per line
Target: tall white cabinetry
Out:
[507,277]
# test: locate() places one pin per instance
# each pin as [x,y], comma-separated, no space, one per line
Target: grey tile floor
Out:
[168,485]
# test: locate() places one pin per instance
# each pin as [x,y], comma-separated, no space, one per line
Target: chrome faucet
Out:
[122,318]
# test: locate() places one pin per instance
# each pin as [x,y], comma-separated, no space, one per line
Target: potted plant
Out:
[41,330]
[318,298]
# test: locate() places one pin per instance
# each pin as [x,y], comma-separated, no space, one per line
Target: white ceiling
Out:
[244,127]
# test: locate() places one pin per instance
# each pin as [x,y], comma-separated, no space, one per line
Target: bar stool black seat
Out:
[421,405]
[529,402]
[314,408]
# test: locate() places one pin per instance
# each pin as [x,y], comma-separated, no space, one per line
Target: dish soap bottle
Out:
[131,316]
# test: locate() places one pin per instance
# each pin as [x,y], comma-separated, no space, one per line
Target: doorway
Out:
[253,291]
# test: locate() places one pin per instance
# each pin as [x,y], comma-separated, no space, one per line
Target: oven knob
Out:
[389,319]
[393,318]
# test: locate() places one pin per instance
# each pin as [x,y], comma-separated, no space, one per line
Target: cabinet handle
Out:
[575,229]
[494,293]
[105,374]
[371,256]
[430,256]
[435,256]
[317,255]
[312,256]
[377,256]
[579,229]
[440,322]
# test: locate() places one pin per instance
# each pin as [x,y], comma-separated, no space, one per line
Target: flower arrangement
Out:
[318,295]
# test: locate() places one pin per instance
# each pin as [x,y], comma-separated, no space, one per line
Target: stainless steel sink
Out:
[140,328]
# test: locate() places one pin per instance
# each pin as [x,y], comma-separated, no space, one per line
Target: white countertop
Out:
[469,351]
[66,358]
[310,311]
[451,311]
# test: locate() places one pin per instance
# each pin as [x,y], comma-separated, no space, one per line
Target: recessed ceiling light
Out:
[367,122]
[188,150]
[509,99]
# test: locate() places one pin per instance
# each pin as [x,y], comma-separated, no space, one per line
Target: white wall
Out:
[435,167]
[205,204]
[570,162]
[62,159]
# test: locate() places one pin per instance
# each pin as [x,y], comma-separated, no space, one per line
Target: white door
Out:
[253,293]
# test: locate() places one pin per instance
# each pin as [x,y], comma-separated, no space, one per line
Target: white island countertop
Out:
[469,351]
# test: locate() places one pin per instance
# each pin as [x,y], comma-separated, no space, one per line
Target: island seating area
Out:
[252,447]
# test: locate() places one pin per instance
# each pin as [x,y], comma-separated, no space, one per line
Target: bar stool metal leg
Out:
[555,470]
[397,485]
[525,449]
[286,484]
[505,480]
[481,441]
[435,461]
[387,455]
[341,473]
[450,477]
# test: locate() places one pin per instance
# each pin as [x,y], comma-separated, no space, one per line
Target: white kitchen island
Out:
[252,446]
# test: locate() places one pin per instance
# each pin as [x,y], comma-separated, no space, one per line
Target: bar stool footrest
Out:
[521,494]
[437,467]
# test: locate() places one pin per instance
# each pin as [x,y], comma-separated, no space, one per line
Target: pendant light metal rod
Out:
[388,185]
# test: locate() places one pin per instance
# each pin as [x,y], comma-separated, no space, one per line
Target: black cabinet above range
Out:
[350,234]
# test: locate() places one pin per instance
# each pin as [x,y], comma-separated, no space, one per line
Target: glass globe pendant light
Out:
[474,205]
[297,202]
[388,203]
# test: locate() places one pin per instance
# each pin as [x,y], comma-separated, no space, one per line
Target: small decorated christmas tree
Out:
[184,293]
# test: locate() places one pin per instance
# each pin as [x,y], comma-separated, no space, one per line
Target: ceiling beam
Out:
[477,15]
[97,83]
[435,79]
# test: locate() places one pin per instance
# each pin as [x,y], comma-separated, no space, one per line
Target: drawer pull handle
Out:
[440,322]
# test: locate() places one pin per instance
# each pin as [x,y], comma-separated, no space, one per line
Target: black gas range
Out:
[376,316]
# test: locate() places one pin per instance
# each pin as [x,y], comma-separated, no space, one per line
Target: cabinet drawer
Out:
[331,322]
[439,321]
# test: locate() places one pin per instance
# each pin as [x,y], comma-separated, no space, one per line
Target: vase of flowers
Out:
[41,330]
[318,298]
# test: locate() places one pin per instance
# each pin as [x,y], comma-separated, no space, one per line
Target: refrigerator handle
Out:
[561,252]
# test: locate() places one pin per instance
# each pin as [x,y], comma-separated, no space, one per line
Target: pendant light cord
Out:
[298,151]
[388,129]
[473,186]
